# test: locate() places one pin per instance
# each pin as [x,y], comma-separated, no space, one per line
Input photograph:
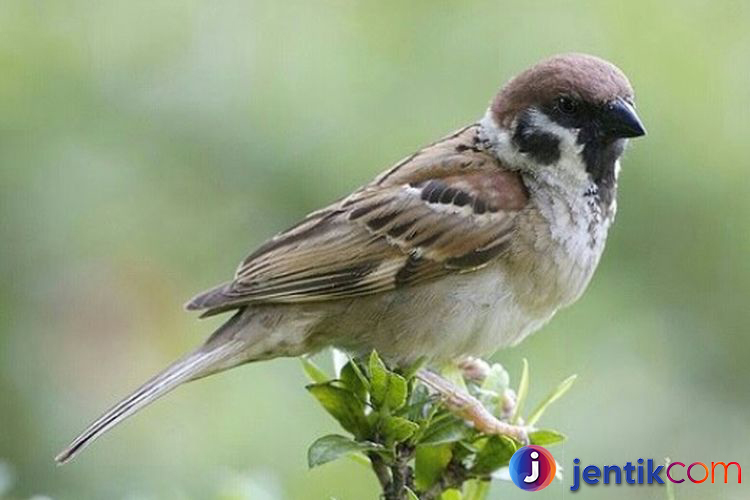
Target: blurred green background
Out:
[147,146]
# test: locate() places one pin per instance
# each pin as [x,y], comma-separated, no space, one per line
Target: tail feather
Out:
[197,364]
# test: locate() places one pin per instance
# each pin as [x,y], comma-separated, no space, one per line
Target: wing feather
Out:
[448,208]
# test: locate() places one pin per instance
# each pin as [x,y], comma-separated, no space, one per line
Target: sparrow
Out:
[464,247]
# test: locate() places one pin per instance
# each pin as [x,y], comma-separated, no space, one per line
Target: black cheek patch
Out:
[542,147]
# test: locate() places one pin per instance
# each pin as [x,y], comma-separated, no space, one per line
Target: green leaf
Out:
[553,396]
[444,430]
[476,489]
[333,446]
[378,371]
[493,388]
[360,374]
[495,454]
[420,404]
[497,380]
[410,371]
[429,464]
[397,429]
[410,495]
[522,393]
[546,437]
[313,372]
[387,390]
[463,449]
[454,375]
[343,405]
[397,390]
[451,494]
[360,459]
[378,378]
[353,380]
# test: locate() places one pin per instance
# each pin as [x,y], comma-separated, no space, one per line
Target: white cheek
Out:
[500,140]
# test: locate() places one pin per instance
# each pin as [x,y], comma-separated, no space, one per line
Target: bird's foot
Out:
[471,409]
[474,369]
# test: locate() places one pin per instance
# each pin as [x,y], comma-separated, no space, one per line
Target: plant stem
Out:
[453,476]
[381,471]
[402,473]
[397,490]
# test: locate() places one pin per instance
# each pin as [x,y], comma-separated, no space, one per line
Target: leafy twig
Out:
[418,445]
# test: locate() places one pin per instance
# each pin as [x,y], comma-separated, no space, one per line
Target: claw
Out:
[474,369]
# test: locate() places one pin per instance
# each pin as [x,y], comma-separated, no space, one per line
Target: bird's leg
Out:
[470,408]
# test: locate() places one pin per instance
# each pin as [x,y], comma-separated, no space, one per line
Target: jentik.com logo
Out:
[532,468]
[648,473]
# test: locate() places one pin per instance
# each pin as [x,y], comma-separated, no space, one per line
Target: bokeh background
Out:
[147,146]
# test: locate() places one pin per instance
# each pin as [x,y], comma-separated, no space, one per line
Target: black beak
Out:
[621,120]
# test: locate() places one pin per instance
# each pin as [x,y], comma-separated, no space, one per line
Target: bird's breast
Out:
[557,249]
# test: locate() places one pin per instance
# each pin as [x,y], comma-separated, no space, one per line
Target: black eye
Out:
[567,105]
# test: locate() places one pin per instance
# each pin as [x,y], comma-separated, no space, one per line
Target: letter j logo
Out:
[532,468]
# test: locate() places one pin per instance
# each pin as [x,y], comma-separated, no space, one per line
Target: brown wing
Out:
[450,207]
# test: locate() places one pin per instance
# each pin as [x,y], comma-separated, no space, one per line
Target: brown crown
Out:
[579,75]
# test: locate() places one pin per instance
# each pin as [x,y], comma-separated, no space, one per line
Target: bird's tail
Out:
[214,356]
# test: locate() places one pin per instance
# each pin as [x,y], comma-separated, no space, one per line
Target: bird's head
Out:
[570,112]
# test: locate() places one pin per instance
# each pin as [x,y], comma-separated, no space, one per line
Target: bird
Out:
[462,248]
